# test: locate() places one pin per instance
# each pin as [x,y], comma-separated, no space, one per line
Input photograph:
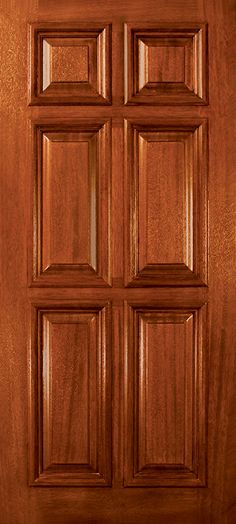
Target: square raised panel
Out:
[165,404]
[64,62]
[166,64]
[166,202]
[70,402]
[70,63]
[71,216]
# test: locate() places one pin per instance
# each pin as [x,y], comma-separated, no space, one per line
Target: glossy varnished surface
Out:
[70,394]
[70,203]
[70,63]
[166,201]
[165,404]
[166,64]
[215,503]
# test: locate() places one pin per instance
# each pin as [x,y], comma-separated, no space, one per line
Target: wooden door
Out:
[117,289]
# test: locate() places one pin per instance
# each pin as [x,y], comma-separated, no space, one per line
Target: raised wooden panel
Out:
[70,63]
[166,202]
[165,402]
[71,218]
[165,64]
[65,59]
[70,403]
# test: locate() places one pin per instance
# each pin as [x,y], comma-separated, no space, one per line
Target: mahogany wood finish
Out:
[70,404]
[70,64]
[166,64]
[165,403]
[166,240]
[117,289]
[71,203]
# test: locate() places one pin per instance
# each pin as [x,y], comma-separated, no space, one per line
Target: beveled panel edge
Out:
[79,277]
[35,70]
[165,478]
[169,274]
[58,477]
[199,32]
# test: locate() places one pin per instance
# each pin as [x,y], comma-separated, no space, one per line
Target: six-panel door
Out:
[164,364]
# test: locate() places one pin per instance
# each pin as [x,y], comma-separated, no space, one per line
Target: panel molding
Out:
[44,470]
[192,270]
[192,470]
[97,271]
[189,85]
[46,39]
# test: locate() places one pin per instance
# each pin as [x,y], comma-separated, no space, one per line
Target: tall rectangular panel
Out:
[165,413]
[70,403]
[166,202]
[71,217]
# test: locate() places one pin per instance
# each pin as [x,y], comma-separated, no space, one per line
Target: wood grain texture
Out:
[166,206]
[71,164]
[19,503]
[165,397]
[70,403]
[166,64]
[69,63]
